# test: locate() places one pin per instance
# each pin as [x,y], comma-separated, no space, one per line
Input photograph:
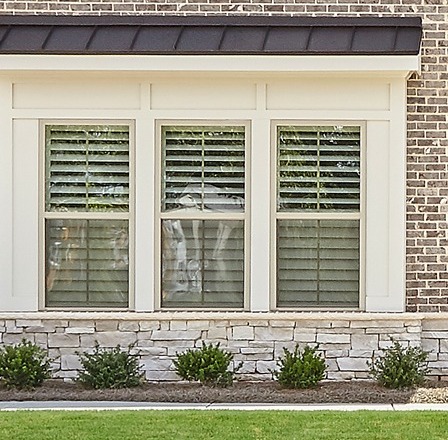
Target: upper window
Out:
[318,216]
[86,215]
[202,215]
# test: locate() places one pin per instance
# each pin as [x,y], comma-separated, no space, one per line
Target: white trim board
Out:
[374,64]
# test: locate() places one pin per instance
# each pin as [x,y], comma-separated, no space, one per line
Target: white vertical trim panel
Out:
[25,214]
[377,216]
[260,261]
[145,192]
[386,226]
[6,202]
[397,197]
[386,211]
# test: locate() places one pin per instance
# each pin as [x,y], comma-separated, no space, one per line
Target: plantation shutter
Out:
[203,168]
[87,216]
[202,216]
[87,168]
[318,168]
[203,263]
[87,263]
[318,216]
[318,263]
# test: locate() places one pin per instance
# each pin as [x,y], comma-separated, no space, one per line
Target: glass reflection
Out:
[87,263]
[202,262]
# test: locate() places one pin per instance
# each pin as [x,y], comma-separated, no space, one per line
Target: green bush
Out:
[300,369]
[23,365]
[110,368]
[208,365]
[400,367]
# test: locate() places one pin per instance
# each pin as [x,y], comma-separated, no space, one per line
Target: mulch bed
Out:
[240,392]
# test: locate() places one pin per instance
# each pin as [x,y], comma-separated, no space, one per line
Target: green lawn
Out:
[223,425]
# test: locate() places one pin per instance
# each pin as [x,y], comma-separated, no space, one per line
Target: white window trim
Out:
[43,215]
[275,215]
[385,192]
[159,215]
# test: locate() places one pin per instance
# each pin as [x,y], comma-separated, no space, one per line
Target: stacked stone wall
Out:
[347,341]
[427,180]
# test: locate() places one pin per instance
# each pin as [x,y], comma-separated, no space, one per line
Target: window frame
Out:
[315,215]
[80,215]
[159,215]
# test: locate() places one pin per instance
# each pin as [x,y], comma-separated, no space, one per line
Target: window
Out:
[202,215]
[87,215]
[318,216]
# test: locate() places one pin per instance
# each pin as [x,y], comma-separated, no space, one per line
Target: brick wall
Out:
[432,10]
[427,274]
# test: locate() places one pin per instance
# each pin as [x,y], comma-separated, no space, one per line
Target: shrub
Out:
[23,365]
[300,369]
[400,367]
[110,368]
[208,365]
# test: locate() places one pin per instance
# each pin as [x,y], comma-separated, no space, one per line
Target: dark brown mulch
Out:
[240,392]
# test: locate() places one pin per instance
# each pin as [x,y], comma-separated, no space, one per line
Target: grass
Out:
[223,425]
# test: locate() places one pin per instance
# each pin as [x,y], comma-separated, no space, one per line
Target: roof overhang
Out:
[225,44]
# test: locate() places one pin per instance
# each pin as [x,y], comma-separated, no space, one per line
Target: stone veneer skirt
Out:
[347,340]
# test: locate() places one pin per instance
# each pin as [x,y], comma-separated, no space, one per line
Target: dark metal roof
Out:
[215,35]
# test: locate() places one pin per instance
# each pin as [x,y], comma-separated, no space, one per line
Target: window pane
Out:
[202,263]
[203,168]
[87,263]
[318,263]
[318,168]
[87,168]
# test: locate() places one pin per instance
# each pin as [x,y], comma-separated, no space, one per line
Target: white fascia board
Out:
[399,64]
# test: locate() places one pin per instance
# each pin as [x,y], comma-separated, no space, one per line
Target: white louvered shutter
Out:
[87,263]
[318,216]
[87,168]
[87,216]
[318,263]
[318,169]
[203,173]
[203,168]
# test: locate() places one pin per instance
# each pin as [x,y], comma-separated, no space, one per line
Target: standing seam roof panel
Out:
[209,35]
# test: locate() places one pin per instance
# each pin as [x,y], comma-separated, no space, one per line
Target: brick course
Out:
[427,159]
